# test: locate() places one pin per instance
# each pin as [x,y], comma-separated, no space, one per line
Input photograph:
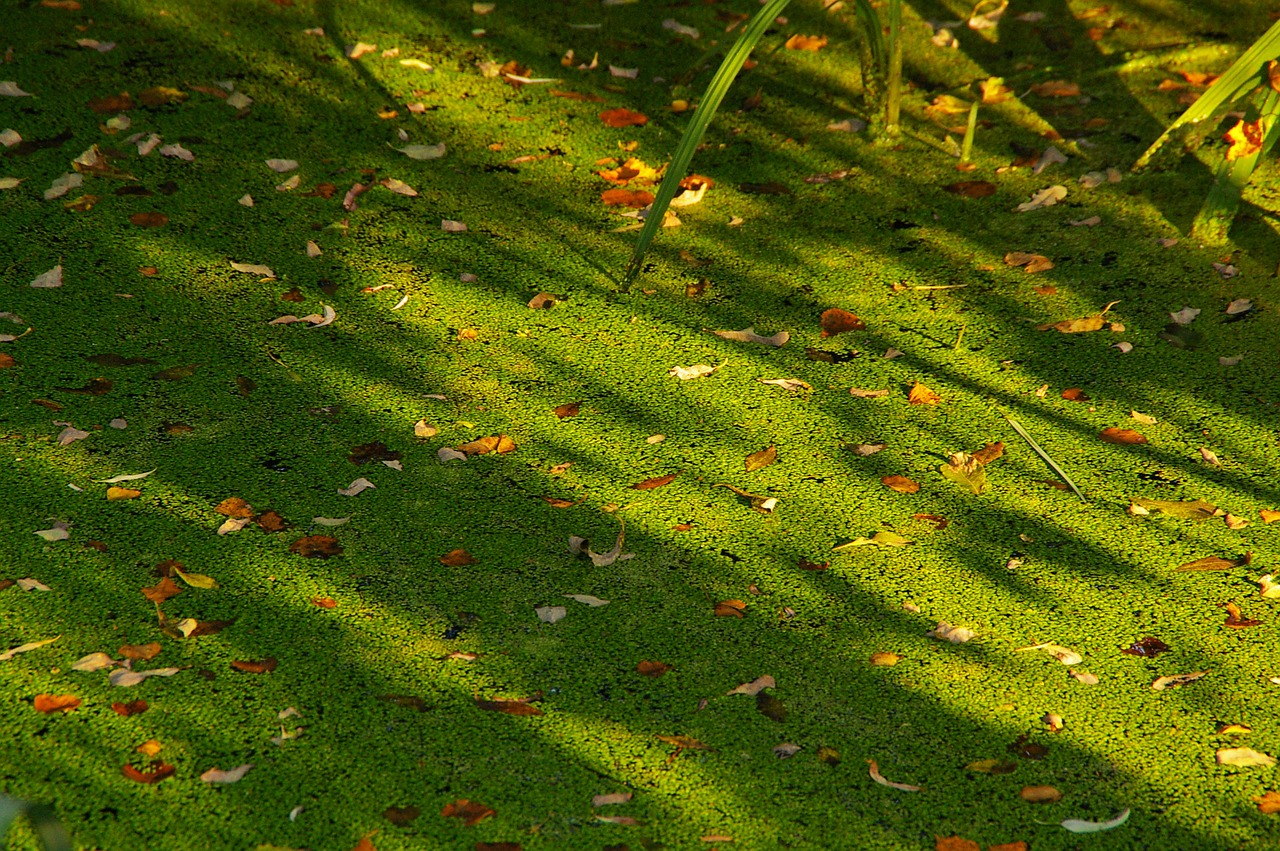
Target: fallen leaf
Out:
[868,394]
[730,609]
[162,590]
[510,707]
[499,443]
[1122,436]
[133,707]
[837,321]
[879,778]
[152,773]
[401,816]
[1146,647]
[806,42]
[458,558]
[1192,509]
[634,198]
[94,662]
[149,220]
[621,117]
[357,486]
[1234,619]
[650,668]
[1245,138]
[569,409]
[884,659]
[805,564]
[1065,655]
[955,634]
[551,614]
[971,188]
[1163,683]
[1215,563]
[48,703]
[684,373]
[966,471]
[470,812]
[587,599]
[650,484]
[955,843]
[126,679]
[233,775]
[922,395]
[1242,757]
[749,335]
[316,546]
[901,484]
[611,798]
[881,539]
[761,459]
[1040,794]
[754,687]
[1268,803]
[1030,263]
[255,666]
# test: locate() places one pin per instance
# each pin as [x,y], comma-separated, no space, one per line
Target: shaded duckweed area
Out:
[439,697]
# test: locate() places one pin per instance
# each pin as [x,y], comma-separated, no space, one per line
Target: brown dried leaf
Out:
[48,703]
[971,188]
[730,609]
[401,816]
[149,220]
[837,321]
[634,198]
[1234,619]
[569,409]
[1056,89]
[458,558]
[1215,563]
[1040,794]
[234,506]
[316,546]
[522,706]
[271,521]
[901,484]
[760,460]
[921,395]
[622,117]
[805,564]
[1122,436]
[140,652]
[650,484]
[499,443]
[652,669]
[806,42]
[153,773]
[133,707]
[471,812]
[255,666]
[1270,802]
[161,591]
[955,843]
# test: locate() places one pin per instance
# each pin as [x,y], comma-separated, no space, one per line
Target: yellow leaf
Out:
[195,580]
[921,395]
[806,42]
[114,494]
[760,460]
[1245,138]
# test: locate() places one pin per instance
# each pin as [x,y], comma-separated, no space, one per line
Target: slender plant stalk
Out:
[1245,74]
[711,99]
[1044,456]
[1214,220]
[873,56]
[966,148]
[53,836]
[893,94]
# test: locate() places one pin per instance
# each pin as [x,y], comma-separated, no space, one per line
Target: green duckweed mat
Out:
[445,691]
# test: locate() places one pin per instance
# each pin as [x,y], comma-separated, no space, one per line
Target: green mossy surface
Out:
[1024,563]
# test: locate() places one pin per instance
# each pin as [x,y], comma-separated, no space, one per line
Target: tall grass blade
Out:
[1044,456]
[893,91]
[966,147]
[1213,222]
[683,155]
[1243,76]
[873,34]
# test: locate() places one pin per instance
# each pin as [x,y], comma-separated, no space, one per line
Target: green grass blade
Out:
[874,34]
[711,99]
[1044,456]
[1244,74]
[893,91]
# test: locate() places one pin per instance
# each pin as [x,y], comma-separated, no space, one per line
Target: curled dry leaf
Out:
[965,470]
[730,609]
[1078,326]
[806,42]
[518,706]
[754,687]
[955,634]
[749,335]
[1163,683]
[611,798]
[133,707]
[499,443]
[358,486]
[48,703]
[874,771]
[1122,436]
[233,775]
[1030,263]
[94,662]
[152,773]
[255,666]
[587,599]
[1235,620]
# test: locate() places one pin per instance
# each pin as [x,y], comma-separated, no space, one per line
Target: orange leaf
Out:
[258,666]
[650,484]
[576,96]
[1269,515]
[271,521]
[115,494]
[112,103]
[458,558]
[140,652]
[1121,435]
[921,395]
[1056,89]
[1009,846]
[324,602]
[471,811]
[1235,621]
[154,773]
[634,170]
[1245,138]
[652,669]
[499,443]
[989,453]
[731,609]
[1268,803]
[520,706]
[955,843]
[569,409]
[622,117]
[1075,394]
[806,42]
[234,506]
[837,321]
[1040,794]
[901,484]
[366,843]
[149,220]
[162,590]
[133,707]
[316,546]
[626,198]
[971,188]
[55,703]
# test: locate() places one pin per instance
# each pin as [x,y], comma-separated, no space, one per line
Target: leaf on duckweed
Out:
[497,443]
[1046,197]
[458,558]
[587,599]
[1040,794]
[965,470]
[94,662]
[358,486]
[255,666]
[955,634]
[49,703]
[125,679]
[874,771]
[837,321]
[611,798]
[1236,620]
[176,373]
[901,484]
[469,812]
[1078,326]
[684,373]
[771,707]
[1065,655]
[749,335]
[580,546]
[59,532]
[1122,436]
[1192,509]
[316,546]
[152,773]
[805,564]
[196,580]
[1163,683]
[551,614]
[657,482]
[730,609]
[1268,803]
[162,590]
[1030,263]
[754,687]
[922,395]
[761,459]
[880,539]
[1146,647]
[516,706]
[1215,563]
[140,652]
[650,668]
[424,152]
[233,775]
[1243,757]
[569,409]
[790,384]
